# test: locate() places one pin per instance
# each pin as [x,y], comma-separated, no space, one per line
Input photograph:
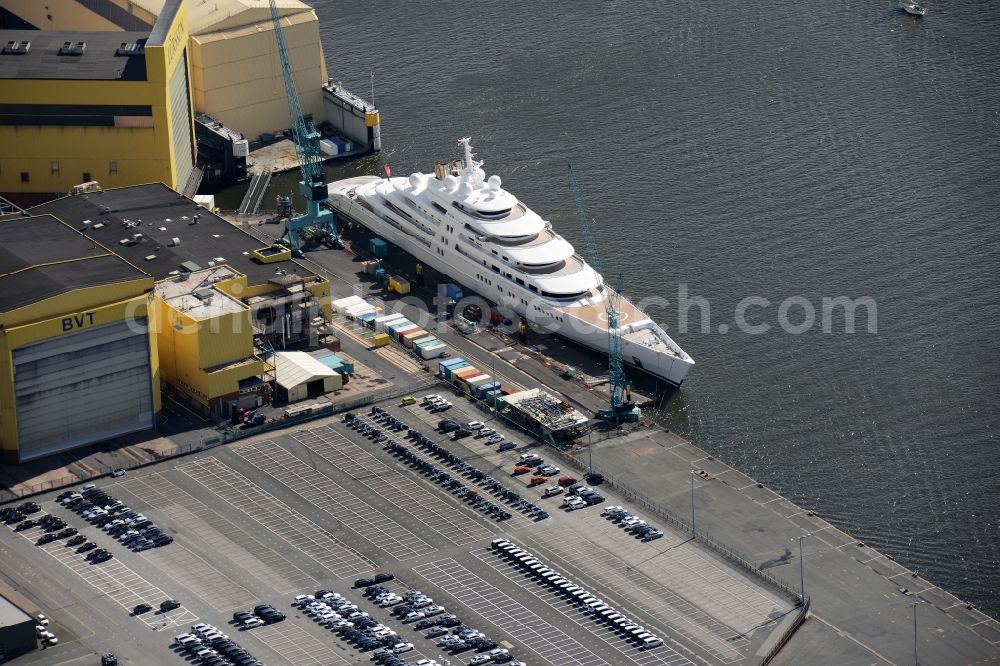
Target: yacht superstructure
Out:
[468,227]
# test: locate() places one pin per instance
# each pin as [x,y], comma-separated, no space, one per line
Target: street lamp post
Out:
[802,571]
[692,504]
[590,450]
[914,607]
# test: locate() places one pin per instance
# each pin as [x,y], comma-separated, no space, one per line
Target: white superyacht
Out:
[466,226]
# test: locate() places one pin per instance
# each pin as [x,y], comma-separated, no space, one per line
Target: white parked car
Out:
[402,647]
[252,622]
[475,425]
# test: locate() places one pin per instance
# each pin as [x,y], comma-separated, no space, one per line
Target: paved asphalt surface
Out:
[264,520]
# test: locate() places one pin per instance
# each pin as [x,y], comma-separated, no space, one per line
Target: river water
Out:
[775,150]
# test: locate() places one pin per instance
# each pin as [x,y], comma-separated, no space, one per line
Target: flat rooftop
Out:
[174,232]
[11,615]
[98,60]
[194,295]
[41,257]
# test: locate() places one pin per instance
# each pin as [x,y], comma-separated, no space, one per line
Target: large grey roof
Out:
[160,215]
[98,62]
[41,257]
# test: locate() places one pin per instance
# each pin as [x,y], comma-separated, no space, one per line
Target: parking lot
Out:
[320,506]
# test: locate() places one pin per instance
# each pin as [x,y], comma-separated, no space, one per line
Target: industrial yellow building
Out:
[205,340]
[216,290]
[236,75]
[78,357]
[76,106]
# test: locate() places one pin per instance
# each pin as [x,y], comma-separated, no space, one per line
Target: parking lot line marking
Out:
[197,575]
[658,656]
[355,461]
[324,493]
[489,602]
[294,528]
[299,647]
[676,575]
[107,578]
[219,533]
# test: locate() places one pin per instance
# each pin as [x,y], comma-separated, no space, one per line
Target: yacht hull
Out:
[670,367]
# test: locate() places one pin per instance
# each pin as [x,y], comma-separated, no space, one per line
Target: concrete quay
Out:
[861,599]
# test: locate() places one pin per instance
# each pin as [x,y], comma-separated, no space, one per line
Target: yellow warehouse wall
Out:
[237,77]
[13,337]
[225,339]
[187,347]
[141,154]
[75,302]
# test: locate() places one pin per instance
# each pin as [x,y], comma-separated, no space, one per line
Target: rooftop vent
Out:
[73,48]
[204,294]
[174,242]
[17,48]
[130,48]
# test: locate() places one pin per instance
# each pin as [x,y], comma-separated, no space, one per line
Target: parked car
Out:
[117,472]
[552,491]
[169,605]
[141,608]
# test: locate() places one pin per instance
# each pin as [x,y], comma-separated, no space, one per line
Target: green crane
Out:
[621,407]
[313,183]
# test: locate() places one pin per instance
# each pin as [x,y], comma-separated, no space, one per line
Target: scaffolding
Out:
[546,412]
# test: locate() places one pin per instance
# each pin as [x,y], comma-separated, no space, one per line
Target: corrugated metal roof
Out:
[296,368]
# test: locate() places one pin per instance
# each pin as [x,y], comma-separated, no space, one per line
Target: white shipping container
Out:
[340,305]
[385,320]
[432,351]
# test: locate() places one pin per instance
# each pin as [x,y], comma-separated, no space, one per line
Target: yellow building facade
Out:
[78,357]
[110,106]
[205,342]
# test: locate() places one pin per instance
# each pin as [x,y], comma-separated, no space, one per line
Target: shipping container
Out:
[432,351]
[449,372]
[398,284]
[379,248]
[481,380]
[393,328]
[451,362]
[411,336]
[359,310]
[340,305]
[382,339]
[488,389]
[429,340]
[367,319]
[453,291]
[465,373]
[384,320]
[398,331]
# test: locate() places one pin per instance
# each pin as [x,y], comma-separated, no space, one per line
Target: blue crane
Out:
[621,407]
[313,183]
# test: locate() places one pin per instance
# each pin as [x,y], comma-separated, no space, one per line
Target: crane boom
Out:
[307,147]
[612,303]
[306,137]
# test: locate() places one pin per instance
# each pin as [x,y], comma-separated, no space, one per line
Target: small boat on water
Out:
[912,7]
